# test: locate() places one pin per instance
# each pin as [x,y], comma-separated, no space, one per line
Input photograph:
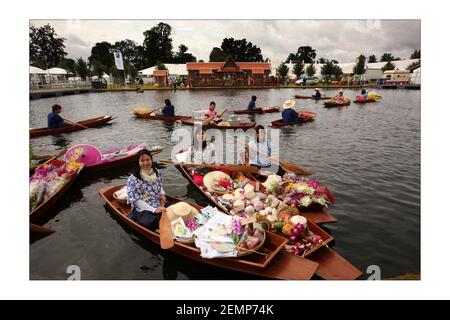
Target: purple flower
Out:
[236,227]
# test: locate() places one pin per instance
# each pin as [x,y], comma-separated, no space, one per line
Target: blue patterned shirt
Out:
[143,190]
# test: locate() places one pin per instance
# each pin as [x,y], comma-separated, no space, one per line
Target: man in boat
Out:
[168,110]
[54,120]
[289,114]
[317,95]
[211,113]
[252,104]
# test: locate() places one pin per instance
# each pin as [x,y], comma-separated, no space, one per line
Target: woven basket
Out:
[245,252]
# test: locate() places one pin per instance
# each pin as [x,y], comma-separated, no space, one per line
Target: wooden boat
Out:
[41,209]
[332,265]
[114,163]
[316,216]
[163,118]
[366,101]
[332,104]
[242,125]
[273,263]
[94,122]
[308,116]
[258,111]
[311,97]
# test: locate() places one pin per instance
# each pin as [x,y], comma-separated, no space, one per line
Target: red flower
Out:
[330,196]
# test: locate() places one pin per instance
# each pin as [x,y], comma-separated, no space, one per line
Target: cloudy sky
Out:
[342,40]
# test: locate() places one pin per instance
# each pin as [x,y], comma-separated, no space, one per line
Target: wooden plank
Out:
[318,217]
[332,266]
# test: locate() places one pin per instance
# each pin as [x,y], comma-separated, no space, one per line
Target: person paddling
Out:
[289,114]
[252,104]
[54,120]
[317,95]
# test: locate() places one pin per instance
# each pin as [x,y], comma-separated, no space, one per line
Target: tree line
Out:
[47,50]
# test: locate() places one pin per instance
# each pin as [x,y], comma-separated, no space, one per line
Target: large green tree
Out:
[101,53]
[241,50]
[388,66]
[81,68]
[283,70]
[182,56]
[322,60]
[304,53]
[68,65]
[372,59]
[359,67]
[217,55]
[129,50]
[46,49]
[330,69]
[311,70]
[415,54]
[158,44]
[388,57]
[298,68]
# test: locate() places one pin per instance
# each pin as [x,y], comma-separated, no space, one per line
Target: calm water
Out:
[369,155]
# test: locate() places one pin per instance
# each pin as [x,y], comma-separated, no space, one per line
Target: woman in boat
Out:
[145,192]
[54,120]
[340,97]
[168,110]
[252,104]
[200,151]
[363,96]
[289,114]
[258,150]
[317,95]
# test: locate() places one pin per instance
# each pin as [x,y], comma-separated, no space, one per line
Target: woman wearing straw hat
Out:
[145,192]
[317,95]
[289,114]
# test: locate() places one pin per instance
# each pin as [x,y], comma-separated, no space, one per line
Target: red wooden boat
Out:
[90,123]
[163,118]
[41,209]
[258,111]
[311,97]
[273,263]
[242,125]
[307,116]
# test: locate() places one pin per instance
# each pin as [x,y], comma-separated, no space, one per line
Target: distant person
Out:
[304,81]
[289,114]
[340,97]
[364,94]
[168,110]
[54,120]
[252,104]
[211,113]
[317,95]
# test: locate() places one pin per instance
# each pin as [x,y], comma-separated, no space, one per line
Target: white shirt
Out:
[260,158]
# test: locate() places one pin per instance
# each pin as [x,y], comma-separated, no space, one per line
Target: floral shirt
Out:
[143,190]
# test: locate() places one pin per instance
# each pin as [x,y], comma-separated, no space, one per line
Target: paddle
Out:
[40,229]
[232,167]
[75,123]
[208,120]
[286,165]
[165,232]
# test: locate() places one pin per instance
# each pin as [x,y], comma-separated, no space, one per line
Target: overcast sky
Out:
[342,40]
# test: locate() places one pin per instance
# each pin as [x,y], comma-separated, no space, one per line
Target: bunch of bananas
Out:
[141,110]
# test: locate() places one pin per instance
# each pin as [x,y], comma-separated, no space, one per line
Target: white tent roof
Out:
[174,69]
[35,70]
[56,71]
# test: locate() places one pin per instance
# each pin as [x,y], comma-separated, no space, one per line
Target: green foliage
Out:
[298,68]
[388,66]
[241,50]
[388,57]
[81,68]
[359,68]
[182,56]
[68,65]
[158,44]
[414,65]
[101,54]
[330,70]
[160,66]
[39,64]
[283,70]
[305,53]
[46,47]
[131,70]
[311,70]
[98,68]
[217,55]
[415,54]
[372,59]
[322,60]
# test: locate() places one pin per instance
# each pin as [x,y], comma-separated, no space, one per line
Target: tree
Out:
[160,66]
[98,69]
[283,70]
[217,55]
[130,70]
[182,56]
[327,69]
[413,66]
[322,60]
[46,47]
[129,50]
[334,61]
[298,69]
[81,68]
[241,50]
[68,65]
[311,70]
[388,66]
[415,54]
[38,64]
[158,44]
[372,59]
[359,67]
[101,53]
[305,54]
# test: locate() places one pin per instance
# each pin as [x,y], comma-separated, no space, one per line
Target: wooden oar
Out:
[286,165]
[231,167]
[208,120]
[40,229]
[165,232]
[76,123]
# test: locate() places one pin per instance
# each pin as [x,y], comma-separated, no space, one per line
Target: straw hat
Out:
[181,209]
[210,179]
[288,104]
[317,89]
